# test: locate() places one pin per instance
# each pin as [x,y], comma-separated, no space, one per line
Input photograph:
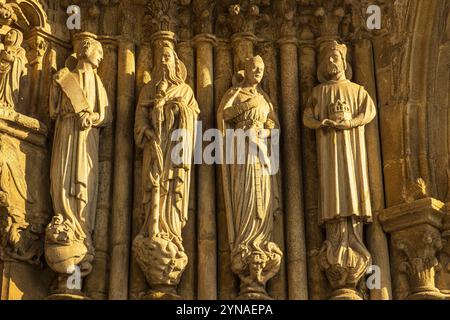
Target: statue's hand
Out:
[328,123]
[85,120]
[95,116]
[344,125]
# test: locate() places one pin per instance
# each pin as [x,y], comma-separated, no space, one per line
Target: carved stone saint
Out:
[338,110]
[79,103]
[13,69]
[166,108]
[249,181]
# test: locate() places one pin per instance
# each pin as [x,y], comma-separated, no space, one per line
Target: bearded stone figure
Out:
[249,181]
[79,103]
[166,107]
[338,110]
[13,69]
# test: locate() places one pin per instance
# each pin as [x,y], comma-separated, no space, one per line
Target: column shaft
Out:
[123,173]
[376,238]
[207,241]
[292,179]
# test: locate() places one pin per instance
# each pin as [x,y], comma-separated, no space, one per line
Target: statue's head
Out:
[254,70]
[91,51]
[168,64]
[332,61]
[13,38]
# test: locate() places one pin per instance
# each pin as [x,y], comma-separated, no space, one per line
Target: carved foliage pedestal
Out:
[443,276]
[162,263]
[415,243]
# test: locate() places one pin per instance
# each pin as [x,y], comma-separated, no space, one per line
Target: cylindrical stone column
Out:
[292,179]
[123,172]
[207,241]
[314,234]
[376,238]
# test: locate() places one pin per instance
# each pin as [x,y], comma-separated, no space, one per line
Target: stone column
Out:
[123,171]
[228,283]
[292,178]
[187,286]
[376,239]
[415,241]
[207,243]
[316,279]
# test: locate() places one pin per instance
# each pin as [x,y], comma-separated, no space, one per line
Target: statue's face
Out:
[254,72]
[94,55]
[335,64]
[11,38]
[168,58]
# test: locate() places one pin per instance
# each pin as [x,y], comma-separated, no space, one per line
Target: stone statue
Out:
[166,105]
[250,188]
[79,103]
[338,110]
[13,69]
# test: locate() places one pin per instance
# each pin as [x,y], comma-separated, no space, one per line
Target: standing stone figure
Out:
[166,110]
[13,69]
[79,103]
[249,181]
[338,110]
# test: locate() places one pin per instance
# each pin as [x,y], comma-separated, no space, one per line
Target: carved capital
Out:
[203,10]
[286,18]
[443,276]
[160,15]
[37,48]
[325,17]
[244,16]
[415,241]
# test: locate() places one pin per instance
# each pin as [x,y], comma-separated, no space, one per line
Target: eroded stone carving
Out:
[416,240]
[166,104]
[22,204]
[13,69]
[339,109]
[79,103]
[250,188]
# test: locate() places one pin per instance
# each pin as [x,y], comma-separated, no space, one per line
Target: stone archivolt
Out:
[143,228]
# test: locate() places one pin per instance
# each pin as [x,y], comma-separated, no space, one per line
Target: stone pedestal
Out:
[415,242]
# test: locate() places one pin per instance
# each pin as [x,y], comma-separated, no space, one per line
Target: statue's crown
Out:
[330,46]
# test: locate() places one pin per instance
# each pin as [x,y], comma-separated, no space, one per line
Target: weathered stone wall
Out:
[404,66]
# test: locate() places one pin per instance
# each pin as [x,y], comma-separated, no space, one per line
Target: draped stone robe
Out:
[343,172]
[174,179]
[250,193]
[12,74]
[74,164]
